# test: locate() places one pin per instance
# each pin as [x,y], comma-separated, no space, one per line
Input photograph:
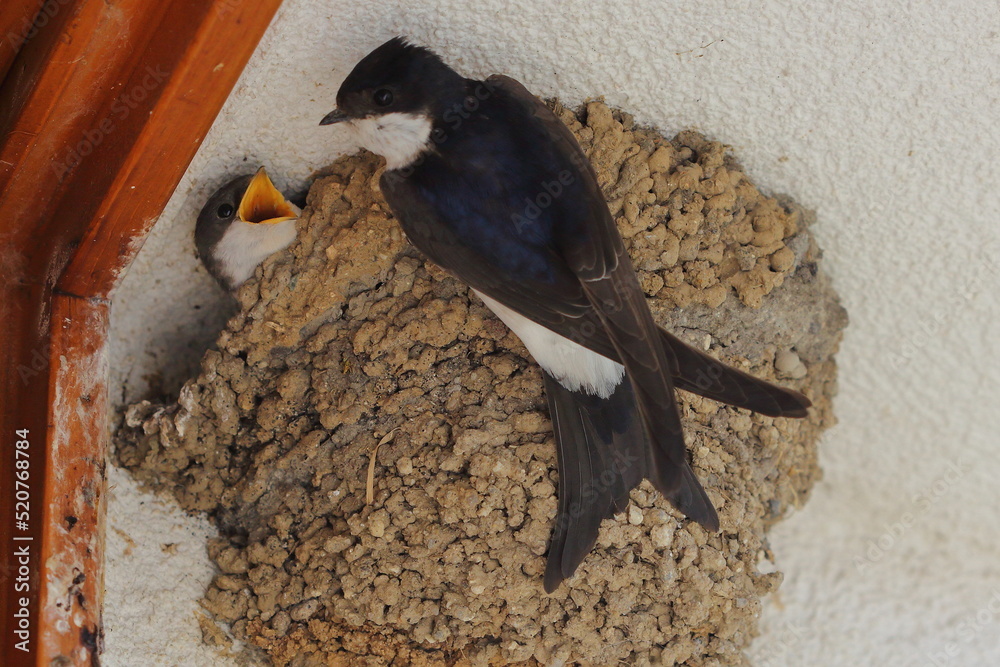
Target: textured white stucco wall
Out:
[881,116]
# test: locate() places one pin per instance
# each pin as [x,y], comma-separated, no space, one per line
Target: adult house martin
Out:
[488,183]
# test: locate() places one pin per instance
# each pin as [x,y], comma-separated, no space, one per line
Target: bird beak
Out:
[263,203]
[335,116]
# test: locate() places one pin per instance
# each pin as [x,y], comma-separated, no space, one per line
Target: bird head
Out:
[251,199]
[392,98]
[248,199]
[248,209]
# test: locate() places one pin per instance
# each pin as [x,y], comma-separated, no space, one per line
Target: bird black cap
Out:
[397,77]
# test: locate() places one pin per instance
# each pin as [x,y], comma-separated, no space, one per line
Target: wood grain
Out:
[17,26]
[72,527]
[100,114]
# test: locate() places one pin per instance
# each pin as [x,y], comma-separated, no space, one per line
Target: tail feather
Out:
[604,451]
[691,500]
[701,374]
[602,456]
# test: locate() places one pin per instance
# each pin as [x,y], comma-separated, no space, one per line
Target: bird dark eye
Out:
[383,97]
[225,211]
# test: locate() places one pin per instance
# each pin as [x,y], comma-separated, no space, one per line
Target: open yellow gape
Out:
[262,203]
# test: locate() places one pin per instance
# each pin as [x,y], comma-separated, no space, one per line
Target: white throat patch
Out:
[245,245]
[398,137]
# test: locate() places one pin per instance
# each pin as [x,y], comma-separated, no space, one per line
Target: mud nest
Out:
[349,339]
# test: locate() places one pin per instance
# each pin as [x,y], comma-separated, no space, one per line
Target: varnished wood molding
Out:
[101,111]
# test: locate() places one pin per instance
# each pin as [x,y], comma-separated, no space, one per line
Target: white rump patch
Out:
[398,137]
[572,365]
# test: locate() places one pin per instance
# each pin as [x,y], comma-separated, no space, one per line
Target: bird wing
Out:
[552,297]
[586,246]
[699,373]
[592,249]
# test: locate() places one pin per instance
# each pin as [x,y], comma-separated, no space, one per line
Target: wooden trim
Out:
[72,540]
[201,78]
[17,26]
[100,114]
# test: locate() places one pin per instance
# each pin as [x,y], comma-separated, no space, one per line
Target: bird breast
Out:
[245,245]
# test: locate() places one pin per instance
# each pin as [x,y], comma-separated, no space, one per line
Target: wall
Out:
[881,118]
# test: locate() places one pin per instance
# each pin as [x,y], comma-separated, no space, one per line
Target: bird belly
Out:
[245,245]
[572,365]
